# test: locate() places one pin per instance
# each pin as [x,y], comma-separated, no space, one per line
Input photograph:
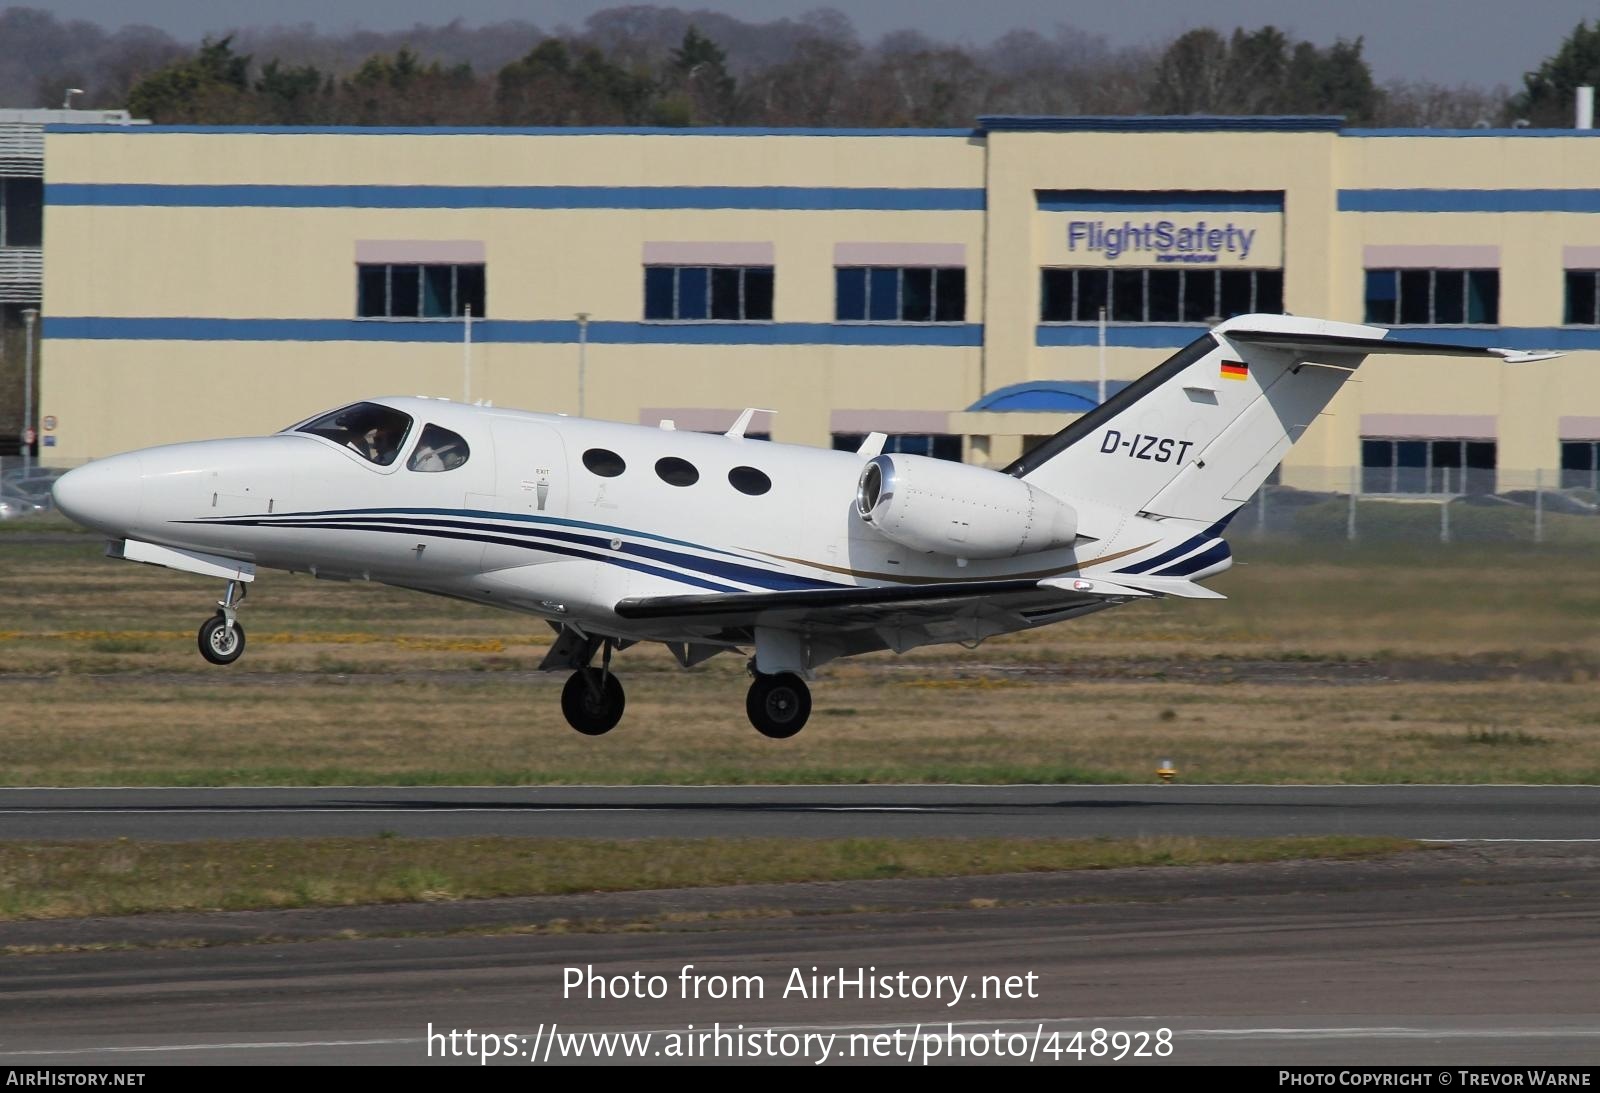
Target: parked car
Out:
[13,505]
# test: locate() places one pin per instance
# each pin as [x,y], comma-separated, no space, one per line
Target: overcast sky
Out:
[1443,41]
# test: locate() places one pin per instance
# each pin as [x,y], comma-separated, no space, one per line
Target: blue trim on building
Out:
[1146,201]
[498,131]
[1130,335]
[1469,201]
[510,331]
[1046,396]
[877,199]
[1163,123]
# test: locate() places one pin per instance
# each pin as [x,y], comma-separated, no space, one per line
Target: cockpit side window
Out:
[438,450]
[376,433]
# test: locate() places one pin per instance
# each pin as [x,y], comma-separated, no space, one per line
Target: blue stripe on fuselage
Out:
[1182,548]
[1204,560]
[771,580]
[500,540]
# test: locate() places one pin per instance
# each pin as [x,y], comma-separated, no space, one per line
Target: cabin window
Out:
[438,450]
[677,472]
[376,433]
[603,462]
[749,480]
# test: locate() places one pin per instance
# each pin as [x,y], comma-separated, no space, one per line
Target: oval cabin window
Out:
[606,464]
[749,480]
[677,472]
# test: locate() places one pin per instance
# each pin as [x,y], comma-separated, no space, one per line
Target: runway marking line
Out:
[842,786]
[1270,1032]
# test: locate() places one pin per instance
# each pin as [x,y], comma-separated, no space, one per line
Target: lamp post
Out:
[29,315]
[583,355]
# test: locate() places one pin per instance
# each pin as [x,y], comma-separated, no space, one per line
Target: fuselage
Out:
[556,516]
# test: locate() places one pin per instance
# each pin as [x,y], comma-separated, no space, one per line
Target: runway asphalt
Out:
[1480,952]
[1454,956]
[1420,812]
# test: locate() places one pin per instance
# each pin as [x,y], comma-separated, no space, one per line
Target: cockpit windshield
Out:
[438,450]
[375,432]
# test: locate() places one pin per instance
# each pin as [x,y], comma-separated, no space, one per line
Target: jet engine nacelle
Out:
[940,507]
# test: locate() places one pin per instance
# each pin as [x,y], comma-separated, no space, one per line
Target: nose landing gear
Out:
[221,637]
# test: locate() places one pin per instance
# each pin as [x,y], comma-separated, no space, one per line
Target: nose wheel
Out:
[221,643]
[778,705]
[221,637]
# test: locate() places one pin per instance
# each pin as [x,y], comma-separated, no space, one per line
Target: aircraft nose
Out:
[104,495]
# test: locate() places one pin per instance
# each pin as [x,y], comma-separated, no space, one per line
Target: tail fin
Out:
[1196,436]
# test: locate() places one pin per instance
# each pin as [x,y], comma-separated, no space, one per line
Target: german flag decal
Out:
[1235,370]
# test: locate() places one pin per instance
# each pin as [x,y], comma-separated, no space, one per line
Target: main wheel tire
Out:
[590,713]
[219,642]
[778,705]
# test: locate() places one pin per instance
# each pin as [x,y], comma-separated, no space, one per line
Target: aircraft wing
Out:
[894,617]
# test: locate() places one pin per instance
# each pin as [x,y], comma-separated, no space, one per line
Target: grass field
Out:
[118,877]
[1383,663]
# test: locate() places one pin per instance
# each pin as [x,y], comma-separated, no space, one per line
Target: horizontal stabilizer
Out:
[1135,585]
[1337,343]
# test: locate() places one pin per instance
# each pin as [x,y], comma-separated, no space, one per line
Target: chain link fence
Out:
[1439,505]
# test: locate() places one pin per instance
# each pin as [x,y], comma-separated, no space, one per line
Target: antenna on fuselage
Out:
[872,445]
[737,431]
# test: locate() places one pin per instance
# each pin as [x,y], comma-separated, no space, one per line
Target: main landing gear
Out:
[778,705]
[221,637]
[592,699]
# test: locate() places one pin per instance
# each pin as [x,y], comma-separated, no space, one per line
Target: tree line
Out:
[667,67]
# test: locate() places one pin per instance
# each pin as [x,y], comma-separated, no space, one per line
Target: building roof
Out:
[1047,396]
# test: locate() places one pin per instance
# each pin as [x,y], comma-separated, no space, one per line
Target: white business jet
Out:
[617,534]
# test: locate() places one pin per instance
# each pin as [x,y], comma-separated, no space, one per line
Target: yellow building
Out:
[945,286]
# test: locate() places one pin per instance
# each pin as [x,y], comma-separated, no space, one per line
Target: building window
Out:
[728,293]
[1392,465]
[1583,301]
[1162,295]
[1580,464]
[937,445]
[407,291]
[21,212]
[900,294]
[1428,297]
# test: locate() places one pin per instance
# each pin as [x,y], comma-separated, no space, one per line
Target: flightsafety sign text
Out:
[1202,241]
